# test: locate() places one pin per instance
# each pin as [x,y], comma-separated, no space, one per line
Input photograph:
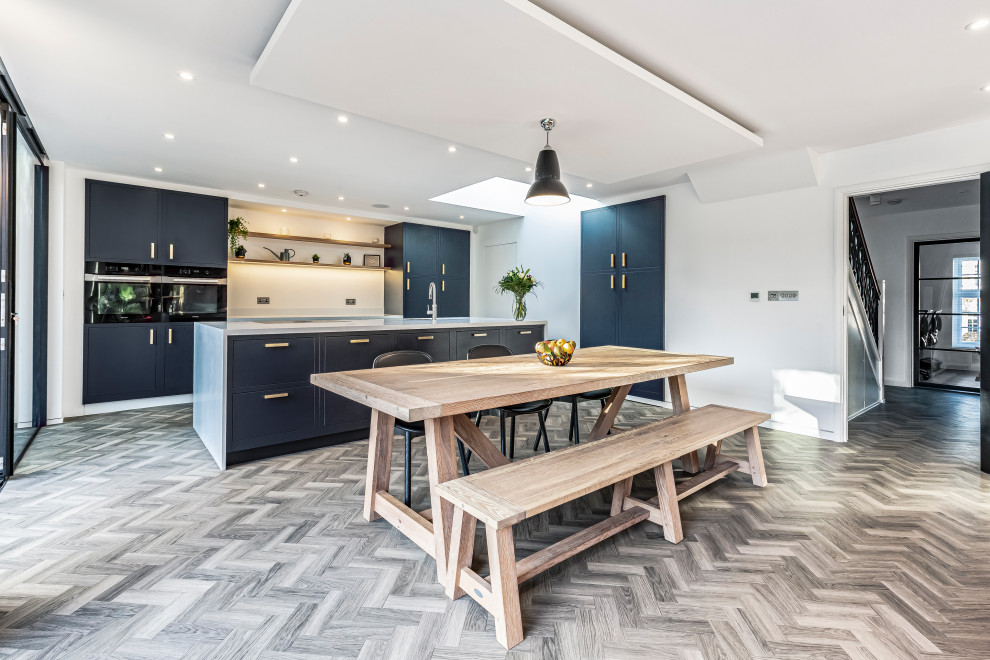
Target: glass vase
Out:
[519,307]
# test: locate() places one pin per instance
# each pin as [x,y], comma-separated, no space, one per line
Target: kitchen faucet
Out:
[432,311]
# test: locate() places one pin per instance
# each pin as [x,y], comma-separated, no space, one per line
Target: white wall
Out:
[302,291]
[890,239]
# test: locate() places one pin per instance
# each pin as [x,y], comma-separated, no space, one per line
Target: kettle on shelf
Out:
[284,255]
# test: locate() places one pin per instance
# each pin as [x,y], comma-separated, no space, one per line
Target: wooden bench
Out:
[503,496]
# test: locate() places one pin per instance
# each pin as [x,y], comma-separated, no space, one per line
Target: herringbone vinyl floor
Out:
[119,538]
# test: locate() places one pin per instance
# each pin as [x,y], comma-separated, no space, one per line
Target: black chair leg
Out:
[543,429]
[575,434]
[407,495]
[464,458]
[512,437]
[501,425]
[539,434]
[477,418]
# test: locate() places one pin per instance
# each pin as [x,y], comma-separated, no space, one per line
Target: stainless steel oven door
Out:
[122,299]
[194,298]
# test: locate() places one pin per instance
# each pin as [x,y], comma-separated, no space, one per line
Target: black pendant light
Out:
[547,189]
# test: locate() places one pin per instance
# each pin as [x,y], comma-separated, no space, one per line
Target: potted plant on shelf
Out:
[347,258]
[237,230]
[316,258]
[518,282]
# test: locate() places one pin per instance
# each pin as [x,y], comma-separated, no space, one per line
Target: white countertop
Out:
[294,325]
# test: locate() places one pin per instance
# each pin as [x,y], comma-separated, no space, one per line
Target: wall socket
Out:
[782,296]
[263,300]
[351,301]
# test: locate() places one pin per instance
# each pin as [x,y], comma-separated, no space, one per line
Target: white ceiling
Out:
[924,198]
[484,74]
[99,79]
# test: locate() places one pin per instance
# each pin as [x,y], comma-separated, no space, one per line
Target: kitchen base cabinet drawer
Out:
[522,340]
[435,344]
[468,339]
[272,416]
[273,360]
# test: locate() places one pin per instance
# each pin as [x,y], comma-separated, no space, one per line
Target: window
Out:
[966,302]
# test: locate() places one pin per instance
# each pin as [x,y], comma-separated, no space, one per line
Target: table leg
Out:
[679,399]
[379,460]
[606,418]
[442,467]
[478,442]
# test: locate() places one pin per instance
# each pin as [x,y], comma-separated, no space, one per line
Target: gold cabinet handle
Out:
[623,281]
[170,335]
[408,266]
[280,395]
[360,341]
[525,332]
[279,345]
[611,281]
[443,285]
[425,337]
[623,259]
[443,269]
[613,260]
[407,285]
[151,336]
[479,334]
[152,250]
[171,251]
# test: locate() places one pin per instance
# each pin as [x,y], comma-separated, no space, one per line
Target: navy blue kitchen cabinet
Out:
[433,343]
[178,353]
[194,230]
[622,279]
[272,361]
[121,361]
[420,254]
[137,224]
[265,417]
[122,222]
[465,340]
[455,253]
[455,297]
[346,353]
[522,340]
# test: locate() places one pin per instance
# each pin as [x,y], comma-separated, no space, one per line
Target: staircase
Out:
[865,311]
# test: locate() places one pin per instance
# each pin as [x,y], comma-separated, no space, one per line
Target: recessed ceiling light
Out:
[462,217]
[340,198]
[978,24]
[185,75]
[285,210]
[405,208]
[348,219]
[261,185]
[452,149]
[985,88]
[168,136]
[158,169]
[587,185]
[380,206]
[529,169]
[293,159]
[342,119]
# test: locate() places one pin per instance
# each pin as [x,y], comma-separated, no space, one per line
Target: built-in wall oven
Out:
[122,293]
[194,294]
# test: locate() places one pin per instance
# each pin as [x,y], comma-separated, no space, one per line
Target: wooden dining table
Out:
[442,394]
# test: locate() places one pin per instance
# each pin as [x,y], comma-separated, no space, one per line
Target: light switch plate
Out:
[782,296]
[263,300]
[754,296]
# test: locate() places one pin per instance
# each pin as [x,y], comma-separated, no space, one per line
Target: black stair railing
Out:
[863,273]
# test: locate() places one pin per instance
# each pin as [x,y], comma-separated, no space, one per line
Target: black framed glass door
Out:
[947,314]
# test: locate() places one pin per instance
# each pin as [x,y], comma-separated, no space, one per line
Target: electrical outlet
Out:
[782,296]
[351,301]
[263,300]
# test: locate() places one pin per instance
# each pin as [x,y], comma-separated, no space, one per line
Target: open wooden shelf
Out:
[313,239]
[304,264]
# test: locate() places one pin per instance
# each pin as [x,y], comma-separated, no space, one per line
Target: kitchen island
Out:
[252,396]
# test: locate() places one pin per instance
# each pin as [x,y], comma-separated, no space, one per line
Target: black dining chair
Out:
[574,434]
[539,408]
[411,429]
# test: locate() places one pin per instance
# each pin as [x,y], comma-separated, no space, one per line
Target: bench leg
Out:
[756,468]
[379,460]
[667,502]
[461,551]
[505,586]
[711,455]
[620,492]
